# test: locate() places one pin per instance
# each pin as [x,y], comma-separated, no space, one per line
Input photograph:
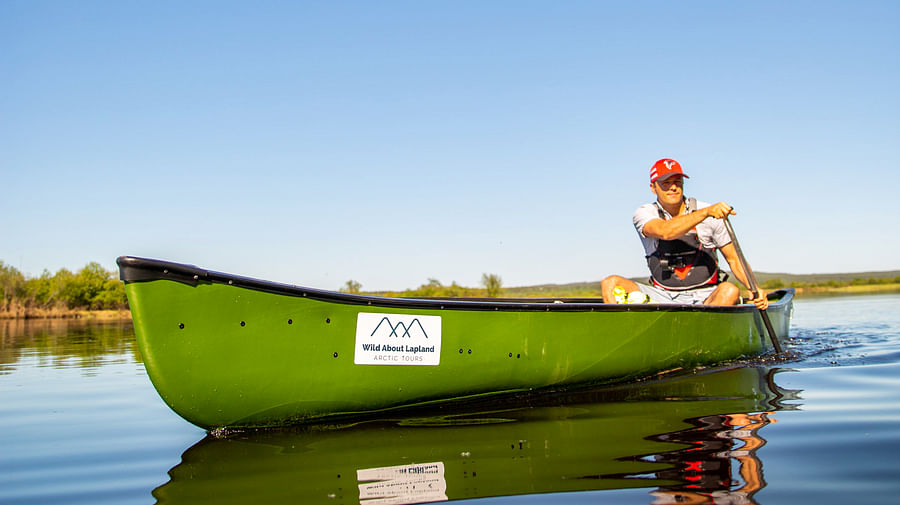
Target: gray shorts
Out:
[687,297]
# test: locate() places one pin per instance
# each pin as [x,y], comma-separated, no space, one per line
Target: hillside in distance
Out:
[767,279]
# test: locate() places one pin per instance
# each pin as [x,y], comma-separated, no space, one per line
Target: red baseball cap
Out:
[663,168]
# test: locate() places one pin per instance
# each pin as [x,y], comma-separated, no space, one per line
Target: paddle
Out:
[754,288]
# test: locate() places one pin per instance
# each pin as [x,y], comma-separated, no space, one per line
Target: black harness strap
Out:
[683,263]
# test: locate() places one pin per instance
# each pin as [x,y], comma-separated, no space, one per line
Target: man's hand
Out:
[761,302]
[719,210]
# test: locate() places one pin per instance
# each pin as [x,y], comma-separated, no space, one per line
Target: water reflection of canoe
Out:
[681,435]
[224,350]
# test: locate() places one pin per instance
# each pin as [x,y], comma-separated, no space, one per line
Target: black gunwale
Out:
[136,269]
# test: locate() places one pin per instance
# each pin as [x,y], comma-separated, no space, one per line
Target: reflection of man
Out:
[680,238]
[751,468]
[704,468]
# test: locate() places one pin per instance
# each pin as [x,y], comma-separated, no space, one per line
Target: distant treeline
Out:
[492,287]
[95,288]
[821,280]
[434,288]
[91,288]
[778,283]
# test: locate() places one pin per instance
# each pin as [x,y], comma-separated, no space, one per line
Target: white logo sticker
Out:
[397,339]
[415,483]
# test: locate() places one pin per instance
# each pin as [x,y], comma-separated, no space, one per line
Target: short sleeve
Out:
[720,234]
[643,215]
[711,231]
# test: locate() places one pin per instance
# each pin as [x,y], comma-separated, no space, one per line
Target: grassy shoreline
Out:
[866,289]
[92,315]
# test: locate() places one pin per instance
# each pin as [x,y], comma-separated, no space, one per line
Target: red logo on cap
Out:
[664,168]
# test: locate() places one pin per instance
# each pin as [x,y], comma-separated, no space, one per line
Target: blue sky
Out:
[393,142]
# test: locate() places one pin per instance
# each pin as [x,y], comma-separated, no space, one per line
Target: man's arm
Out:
[669,229]
[730,253]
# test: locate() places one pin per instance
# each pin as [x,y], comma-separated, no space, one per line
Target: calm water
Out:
[81,423]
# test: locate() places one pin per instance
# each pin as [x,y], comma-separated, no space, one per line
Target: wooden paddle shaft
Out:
[751,279]
[754,287]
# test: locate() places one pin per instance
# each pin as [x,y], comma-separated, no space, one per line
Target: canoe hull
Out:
[225,351]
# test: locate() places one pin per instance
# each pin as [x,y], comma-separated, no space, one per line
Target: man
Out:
[680,238]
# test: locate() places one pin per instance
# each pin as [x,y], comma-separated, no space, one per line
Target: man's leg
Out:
[608,284]
[725,293]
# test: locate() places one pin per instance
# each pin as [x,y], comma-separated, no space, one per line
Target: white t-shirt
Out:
[711,232]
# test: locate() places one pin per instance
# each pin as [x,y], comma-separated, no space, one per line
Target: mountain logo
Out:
[415,323]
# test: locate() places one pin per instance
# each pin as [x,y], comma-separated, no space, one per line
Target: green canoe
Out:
[230,351]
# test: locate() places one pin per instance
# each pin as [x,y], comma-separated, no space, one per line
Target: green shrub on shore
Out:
[91,288]
[492,284]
